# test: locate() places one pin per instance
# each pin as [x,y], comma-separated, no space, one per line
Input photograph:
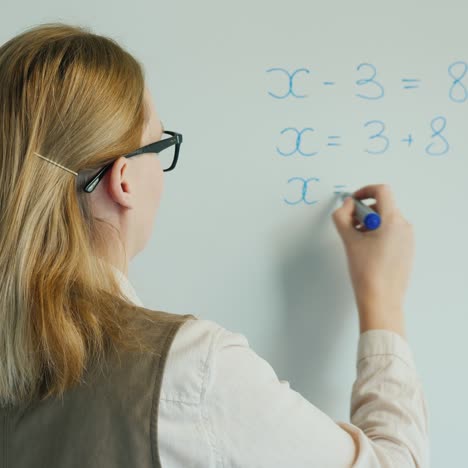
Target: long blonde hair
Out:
[78,99]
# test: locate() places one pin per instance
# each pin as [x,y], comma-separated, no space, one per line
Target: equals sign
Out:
[410,83]
[340,188]
[334,141]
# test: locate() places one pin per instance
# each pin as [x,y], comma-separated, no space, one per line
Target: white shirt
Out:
[222,405]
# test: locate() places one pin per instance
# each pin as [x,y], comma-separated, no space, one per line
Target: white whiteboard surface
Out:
[226,246]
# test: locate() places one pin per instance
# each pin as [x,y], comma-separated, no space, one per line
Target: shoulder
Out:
[191,358]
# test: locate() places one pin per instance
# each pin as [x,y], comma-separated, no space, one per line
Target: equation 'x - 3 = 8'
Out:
[370,85]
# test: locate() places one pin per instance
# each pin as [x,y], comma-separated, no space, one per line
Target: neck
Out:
[116,262]
[119,266]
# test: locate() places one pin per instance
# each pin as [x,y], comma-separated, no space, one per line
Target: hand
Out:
[379,261]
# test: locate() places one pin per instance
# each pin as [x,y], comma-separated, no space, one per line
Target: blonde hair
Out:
[78,99]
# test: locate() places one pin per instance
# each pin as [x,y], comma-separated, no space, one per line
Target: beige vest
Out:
[110,421]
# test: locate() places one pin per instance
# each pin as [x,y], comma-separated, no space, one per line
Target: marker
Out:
[364,213]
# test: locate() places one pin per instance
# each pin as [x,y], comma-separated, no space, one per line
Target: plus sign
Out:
[409,139]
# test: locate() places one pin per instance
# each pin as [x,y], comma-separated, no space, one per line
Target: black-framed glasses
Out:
[173,141]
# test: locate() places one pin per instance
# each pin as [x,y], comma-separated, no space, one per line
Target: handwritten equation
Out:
[303,188]
[307,142]
[370,86]
[378,141]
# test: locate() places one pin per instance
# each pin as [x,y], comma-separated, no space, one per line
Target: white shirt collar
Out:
[126,287]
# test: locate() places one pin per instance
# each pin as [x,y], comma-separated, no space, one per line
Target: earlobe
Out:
[119,186]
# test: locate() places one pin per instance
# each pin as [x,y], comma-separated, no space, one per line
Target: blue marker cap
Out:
[365,214]
[372,221]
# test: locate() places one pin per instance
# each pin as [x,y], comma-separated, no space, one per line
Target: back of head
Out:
[76,98]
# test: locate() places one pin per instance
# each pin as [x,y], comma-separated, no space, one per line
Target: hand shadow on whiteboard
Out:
[318,306]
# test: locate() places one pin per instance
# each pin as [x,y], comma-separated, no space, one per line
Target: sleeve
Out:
[257,420]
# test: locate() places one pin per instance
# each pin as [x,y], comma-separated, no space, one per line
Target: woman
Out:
[88,376]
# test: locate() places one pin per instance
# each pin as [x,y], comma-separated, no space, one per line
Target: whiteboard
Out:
[383,90]
[226,244]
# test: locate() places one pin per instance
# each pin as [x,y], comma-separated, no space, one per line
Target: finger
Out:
[362,228]
[381,193]
[375,206]
[343,216]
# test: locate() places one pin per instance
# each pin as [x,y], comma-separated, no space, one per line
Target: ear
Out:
[120,186]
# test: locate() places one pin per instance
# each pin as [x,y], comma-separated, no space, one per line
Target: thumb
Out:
[343,217]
